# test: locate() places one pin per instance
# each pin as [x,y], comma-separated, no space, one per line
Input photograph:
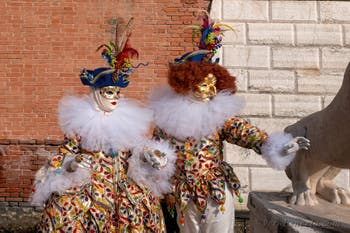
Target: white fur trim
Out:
[157,181]
[49,181]
[182,116]
[272,150]
[121,129]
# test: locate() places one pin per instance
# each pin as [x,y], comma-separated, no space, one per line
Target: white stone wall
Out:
[289,58]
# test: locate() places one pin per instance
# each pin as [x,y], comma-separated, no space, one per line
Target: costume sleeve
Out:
[238,131]
[54,177]
[159,134]
[70,147]
[271,147]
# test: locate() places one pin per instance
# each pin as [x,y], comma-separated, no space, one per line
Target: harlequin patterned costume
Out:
[196,113]
[107,177]
[98,197]
[197,131]
[109,202]
[201,172]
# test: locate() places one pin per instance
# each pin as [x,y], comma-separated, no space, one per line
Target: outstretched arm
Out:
[278,149]
[239,132]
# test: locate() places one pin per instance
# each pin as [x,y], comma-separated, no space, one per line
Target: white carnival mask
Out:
[105,98]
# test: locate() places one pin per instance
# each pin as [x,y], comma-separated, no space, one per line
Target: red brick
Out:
[44,46]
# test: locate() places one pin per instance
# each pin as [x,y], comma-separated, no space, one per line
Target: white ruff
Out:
[182,116]
[126,125]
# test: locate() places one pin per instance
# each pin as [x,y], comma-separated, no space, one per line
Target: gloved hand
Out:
[156,158]
[297,143]
[80,160]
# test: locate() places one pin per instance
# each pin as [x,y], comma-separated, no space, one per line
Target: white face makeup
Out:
[105,98]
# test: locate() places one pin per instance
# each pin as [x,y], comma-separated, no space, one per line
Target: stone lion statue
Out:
[312,172]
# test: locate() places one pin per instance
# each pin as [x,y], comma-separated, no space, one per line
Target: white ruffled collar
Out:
[122,129]
[182,117]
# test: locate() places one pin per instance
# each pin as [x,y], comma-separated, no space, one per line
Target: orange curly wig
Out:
[183,77]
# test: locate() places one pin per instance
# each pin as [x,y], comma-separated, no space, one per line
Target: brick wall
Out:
[289,58]
[45,44]
[43,47]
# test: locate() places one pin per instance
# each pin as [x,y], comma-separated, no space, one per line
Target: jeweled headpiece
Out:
[118,54]
[210,40]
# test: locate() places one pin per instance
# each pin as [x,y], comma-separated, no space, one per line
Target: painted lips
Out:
[114,103]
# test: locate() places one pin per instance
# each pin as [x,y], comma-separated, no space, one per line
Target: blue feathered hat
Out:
[103,77]
[210,40]
[118,55]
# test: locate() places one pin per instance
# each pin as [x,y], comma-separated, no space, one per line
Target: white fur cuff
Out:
[49,181]
[142,172]
[272,150]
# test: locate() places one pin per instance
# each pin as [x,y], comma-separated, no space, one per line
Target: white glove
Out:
[78,161]
[156,158]
[297,143]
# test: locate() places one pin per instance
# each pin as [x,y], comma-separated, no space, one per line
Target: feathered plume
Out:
[210,38]
[212,32]
[118,54]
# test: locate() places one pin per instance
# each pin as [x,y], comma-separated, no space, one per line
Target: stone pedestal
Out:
[270,213]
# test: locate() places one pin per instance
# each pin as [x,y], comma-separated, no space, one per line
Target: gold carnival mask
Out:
[205,90]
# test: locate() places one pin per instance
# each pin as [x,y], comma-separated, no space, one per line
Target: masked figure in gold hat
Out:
[196,113]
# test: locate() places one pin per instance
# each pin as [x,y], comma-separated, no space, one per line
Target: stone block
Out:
[246,56]
[334,11]
[241,78]
[294,10]
[270,33]
[25,204]
[257,104]
[346,31]
[13,204]
[265,178]
[271,125]
[271,80]
[296,105]
[245,10]
[314,82]
[335,58]
[318,34]
[240,156]
[342,179]
[306,58]
[257,226]
[270,212]
[238,36]
[216,12]
[327,100]
[243,175]
[4,204]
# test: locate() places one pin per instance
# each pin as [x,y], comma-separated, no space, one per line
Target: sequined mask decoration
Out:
[205,90]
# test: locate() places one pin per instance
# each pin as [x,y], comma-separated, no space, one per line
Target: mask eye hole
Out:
[110,92]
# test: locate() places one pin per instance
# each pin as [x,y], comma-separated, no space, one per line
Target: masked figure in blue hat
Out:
[107,177]
[196,113]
